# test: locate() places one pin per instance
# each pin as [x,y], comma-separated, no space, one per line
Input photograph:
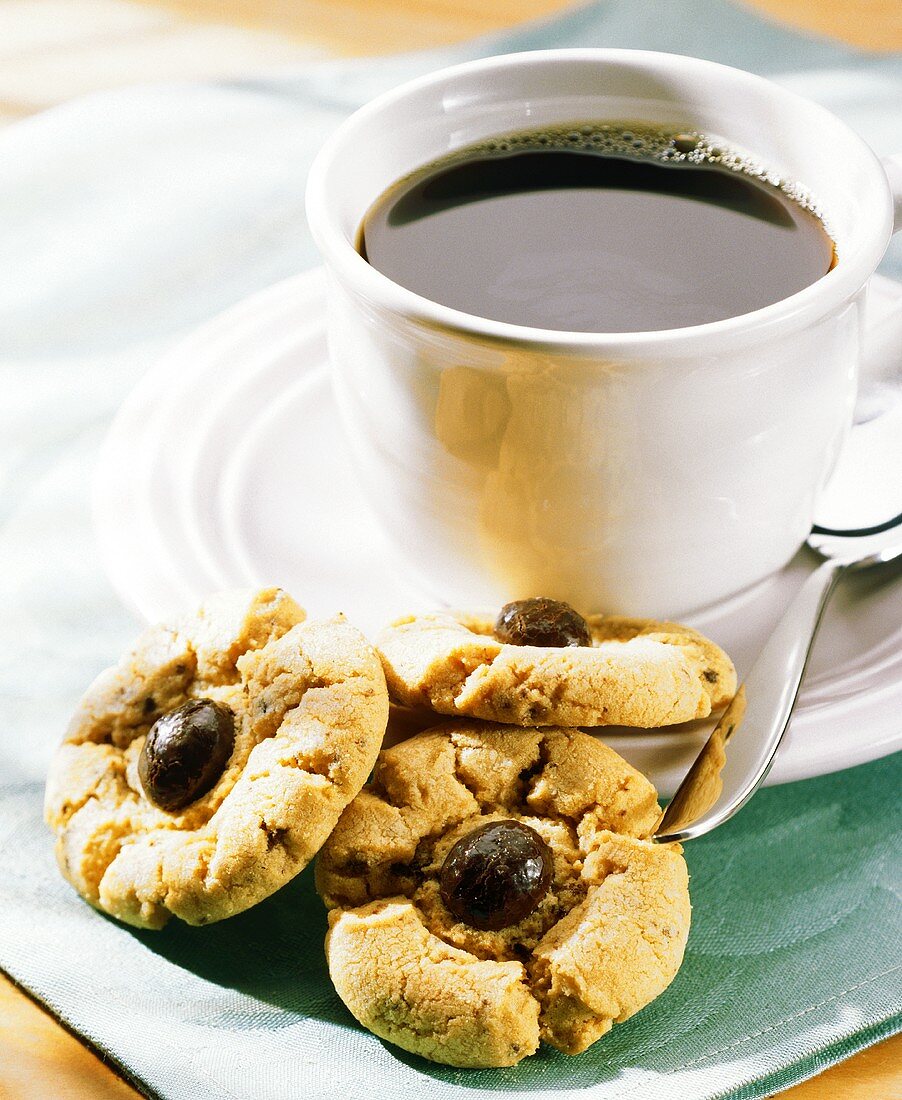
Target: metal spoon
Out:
[732,766]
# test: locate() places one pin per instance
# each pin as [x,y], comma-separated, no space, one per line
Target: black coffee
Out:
[612,228]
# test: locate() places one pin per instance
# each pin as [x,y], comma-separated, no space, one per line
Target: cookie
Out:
[627,672]
[205,769]
[574,921]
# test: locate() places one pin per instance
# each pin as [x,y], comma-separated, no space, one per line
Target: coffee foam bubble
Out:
[640,141]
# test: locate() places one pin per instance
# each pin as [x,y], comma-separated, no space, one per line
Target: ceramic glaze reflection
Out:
[601,483]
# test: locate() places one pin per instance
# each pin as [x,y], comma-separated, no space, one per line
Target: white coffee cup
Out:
[650,472]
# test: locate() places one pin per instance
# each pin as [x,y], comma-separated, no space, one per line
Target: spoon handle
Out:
[739,753]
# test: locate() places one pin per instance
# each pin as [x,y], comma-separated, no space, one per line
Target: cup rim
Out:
[818,299]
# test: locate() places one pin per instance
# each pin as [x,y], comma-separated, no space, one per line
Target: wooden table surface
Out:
[52,51]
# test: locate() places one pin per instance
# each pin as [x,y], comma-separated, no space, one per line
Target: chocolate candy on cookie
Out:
[492,887]
[539,662]
[496,875]
[205,769]
[541,622]
[185,753]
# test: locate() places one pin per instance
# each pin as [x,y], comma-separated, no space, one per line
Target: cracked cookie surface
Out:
[309,705]
[636,672]
[606,938]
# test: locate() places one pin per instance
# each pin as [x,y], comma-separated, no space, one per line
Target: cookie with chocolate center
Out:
[493,887]
[541,663]
[205,769]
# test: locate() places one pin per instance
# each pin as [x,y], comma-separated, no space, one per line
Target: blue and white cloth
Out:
[127,218]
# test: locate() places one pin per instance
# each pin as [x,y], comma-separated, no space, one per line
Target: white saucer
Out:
[226,466]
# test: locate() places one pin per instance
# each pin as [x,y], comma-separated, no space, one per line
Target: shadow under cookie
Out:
[272,953]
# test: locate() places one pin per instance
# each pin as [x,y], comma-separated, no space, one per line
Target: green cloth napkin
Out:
[125,219]
[793,964]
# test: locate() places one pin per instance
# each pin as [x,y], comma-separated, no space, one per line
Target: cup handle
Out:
[893,168]
[859,480]
[880,380]
[881,366]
